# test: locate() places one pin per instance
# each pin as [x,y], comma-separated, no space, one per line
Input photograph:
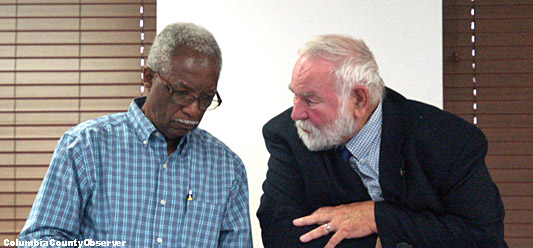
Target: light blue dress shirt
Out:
[111,179]
[364,147]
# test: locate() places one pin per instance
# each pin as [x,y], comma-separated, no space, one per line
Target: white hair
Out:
[181,34]
[353,61]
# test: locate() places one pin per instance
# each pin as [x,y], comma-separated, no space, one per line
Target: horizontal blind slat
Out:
[491,107]
[484,80]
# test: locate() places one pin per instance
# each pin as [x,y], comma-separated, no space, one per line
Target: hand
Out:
[354,220]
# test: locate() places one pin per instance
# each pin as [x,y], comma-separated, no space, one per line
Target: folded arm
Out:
[284,200]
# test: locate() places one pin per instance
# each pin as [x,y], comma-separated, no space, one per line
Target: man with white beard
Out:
[355,164]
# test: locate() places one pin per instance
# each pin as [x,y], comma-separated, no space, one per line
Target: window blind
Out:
[498,93]
[61,62]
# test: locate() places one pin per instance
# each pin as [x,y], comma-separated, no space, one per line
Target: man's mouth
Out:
[300,125]
[305,130]
[187,122]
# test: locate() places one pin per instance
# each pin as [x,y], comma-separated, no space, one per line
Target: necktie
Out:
[345,154]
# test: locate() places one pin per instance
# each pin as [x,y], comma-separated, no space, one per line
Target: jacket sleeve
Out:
[284,199]
[473,210]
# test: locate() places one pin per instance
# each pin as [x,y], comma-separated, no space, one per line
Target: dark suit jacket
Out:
[436,186]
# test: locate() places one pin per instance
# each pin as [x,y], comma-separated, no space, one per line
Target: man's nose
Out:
[193,109]
[299,110]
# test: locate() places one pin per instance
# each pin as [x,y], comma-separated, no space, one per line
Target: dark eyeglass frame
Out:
[186,99]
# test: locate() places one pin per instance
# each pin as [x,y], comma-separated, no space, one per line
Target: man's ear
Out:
[361,100]
[148,76]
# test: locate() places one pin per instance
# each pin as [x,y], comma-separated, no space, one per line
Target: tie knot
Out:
[345,153]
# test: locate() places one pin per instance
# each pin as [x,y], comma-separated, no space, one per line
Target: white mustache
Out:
[304,124]
[187,122]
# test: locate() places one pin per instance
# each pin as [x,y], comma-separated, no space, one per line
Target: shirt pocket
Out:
[202,227]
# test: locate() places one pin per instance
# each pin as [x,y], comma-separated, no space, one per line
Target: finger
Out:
[335,240]
[323,210]
[315,218]
[314,234]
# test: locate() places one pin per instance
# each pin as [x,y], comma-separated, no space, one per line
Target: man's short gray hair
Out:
[181,34]
[353,61]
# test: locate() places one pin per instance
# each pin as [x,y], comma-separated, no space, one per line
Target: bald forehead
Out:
[307,63]
[311,68]
[312,78]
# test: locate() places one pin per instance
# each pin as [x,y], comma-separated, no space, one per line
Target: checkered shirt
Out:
[364,147]
[111,179]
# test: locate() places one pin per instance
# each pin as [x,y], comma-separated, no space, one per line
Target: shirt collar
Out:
[361,143]
[144,128]
[141,124]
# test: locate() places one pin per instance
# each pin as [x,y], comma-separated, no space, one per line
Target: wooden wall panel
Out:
[504,87]
[61,62]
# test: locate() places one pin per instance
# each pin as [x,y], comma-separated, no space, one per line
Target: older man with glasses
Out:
[149,177]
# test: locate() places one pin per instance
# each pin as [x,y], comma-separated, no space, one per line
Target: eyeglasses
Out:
[184,98]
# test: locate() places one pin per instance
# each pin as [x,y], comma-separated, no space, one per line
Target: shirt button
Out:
[145,142]
[165,165]
[157,134]
[163,202]
[159,240]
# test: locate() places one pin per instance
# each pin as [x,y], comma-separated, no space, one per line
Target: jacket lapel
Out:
[343,178]
[391,161]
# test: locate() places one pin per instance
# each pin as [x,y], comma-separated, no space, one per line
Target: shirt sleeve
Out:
[58,208]
[236,229]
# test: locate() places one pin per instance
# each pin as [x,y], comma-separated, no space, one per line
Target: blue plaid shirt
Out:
[364,147]
[111,179]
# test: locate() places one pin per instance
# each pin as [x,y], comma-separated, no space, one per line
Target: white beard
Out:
[331,135]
